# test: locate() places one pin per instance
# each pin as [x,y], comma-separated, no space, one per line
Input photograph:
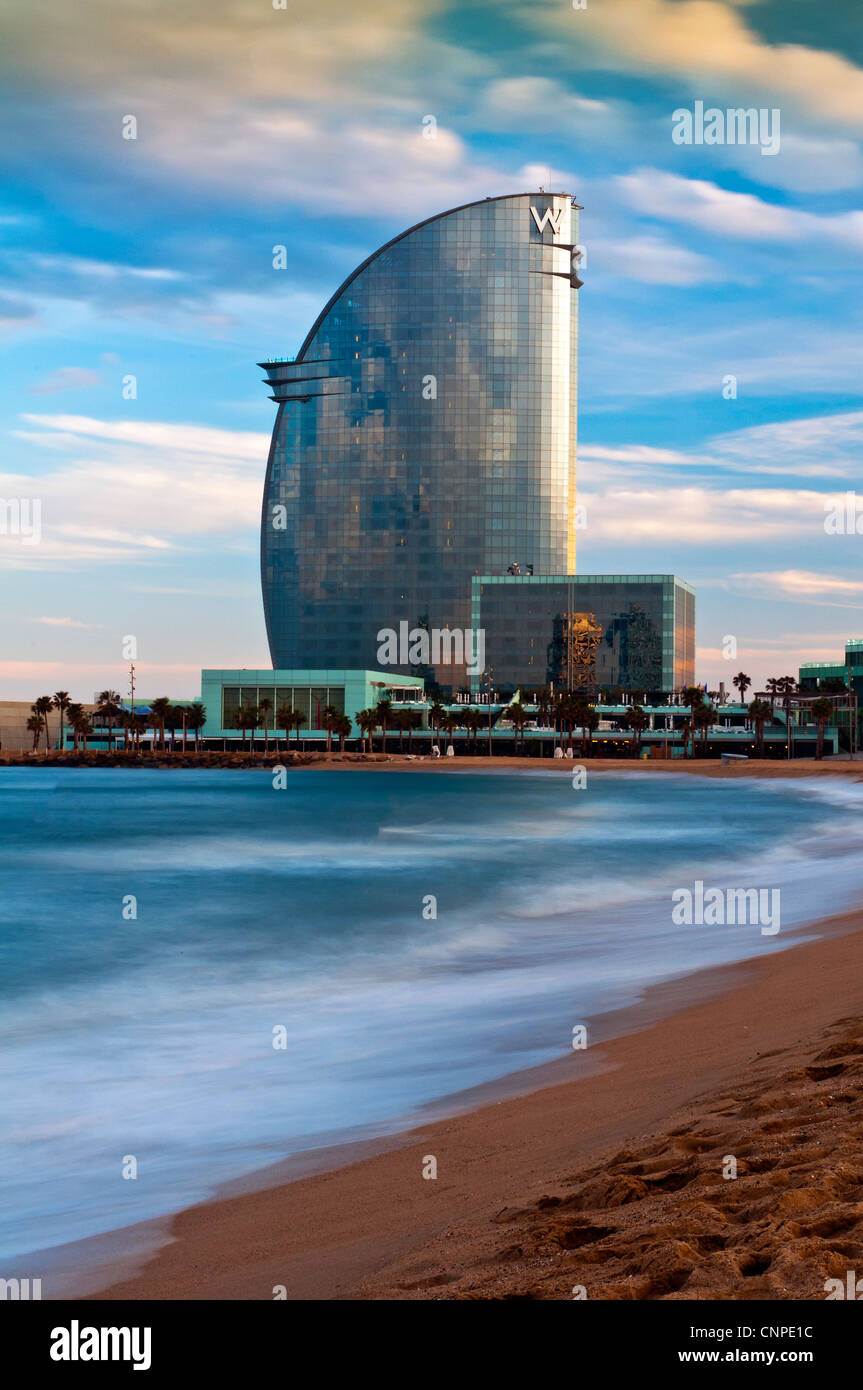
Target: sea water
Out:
[399,937]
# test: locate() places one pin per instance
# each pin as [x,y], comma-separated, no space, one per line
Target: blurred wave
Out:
[303,910]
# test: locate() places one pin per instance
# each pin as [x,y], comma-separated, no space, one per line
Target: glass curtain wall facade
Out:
[311,701]
[587,633]
[425,433]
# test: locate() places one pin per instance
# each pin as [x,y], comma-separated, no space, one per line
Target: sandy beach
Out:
[608,1172]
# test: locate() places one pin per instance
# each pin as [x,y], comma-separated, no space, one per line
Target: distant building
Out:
[586,633]
[816,675]
[830,678]
[15,737]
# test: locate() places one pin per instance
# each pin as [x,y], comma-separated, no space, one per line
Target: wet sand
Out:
[706,767]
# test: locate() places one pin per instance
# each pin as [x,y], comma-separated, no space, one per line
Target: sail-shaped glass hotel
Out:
[425,444]
[425,434]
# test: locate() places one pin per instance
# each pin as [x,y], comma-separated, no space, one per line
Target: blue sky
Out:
[303,127]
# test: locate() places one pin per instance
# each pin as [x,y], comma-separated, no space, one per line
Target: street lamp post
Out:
[489,673]
[132,694]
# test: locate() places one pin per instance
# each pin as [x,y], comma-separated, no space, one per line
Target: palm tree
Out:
[450,723]
[284,720]
[298,720]
[568,709]
[43,707]
[170,726]
[239,721]
[436,714]
[638,721]
[518,716]
[576,707]
[342,727]
[822,712]
[252,717]
[456,720]
[368,722]
[544,704]
[35,724]
[688,731]
[129,724]
[787,685]
[265,709]
[196,718]
[74,713]
[159,711]
[702,718]
[589,725]
[331,714]
[60,701]
[492,720]
[396,723]
[83,727]
[244,719]
[774,688]
[742,681]
[108,707]
[759,711]
[180,714]
[384,713]
[554,717]
[472,719]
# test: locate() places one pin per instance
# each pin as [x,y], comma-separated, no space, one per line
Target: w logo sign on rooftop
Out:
[551,215]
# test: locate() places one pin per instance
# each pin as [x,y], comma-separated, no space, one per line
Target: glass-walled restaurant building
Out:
[225,692]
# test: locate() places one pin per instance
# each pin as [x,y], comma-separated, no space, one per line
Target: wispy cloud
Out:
[721,212]
[655,261]
[131,491]
[819,446]
[59,622]
[66,379]
[191,439]
[102,270]
[802,583]
[698,516]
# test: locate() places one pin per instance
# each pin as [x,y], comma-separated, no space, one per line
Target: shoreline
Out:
[359,1221]
[399,762]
